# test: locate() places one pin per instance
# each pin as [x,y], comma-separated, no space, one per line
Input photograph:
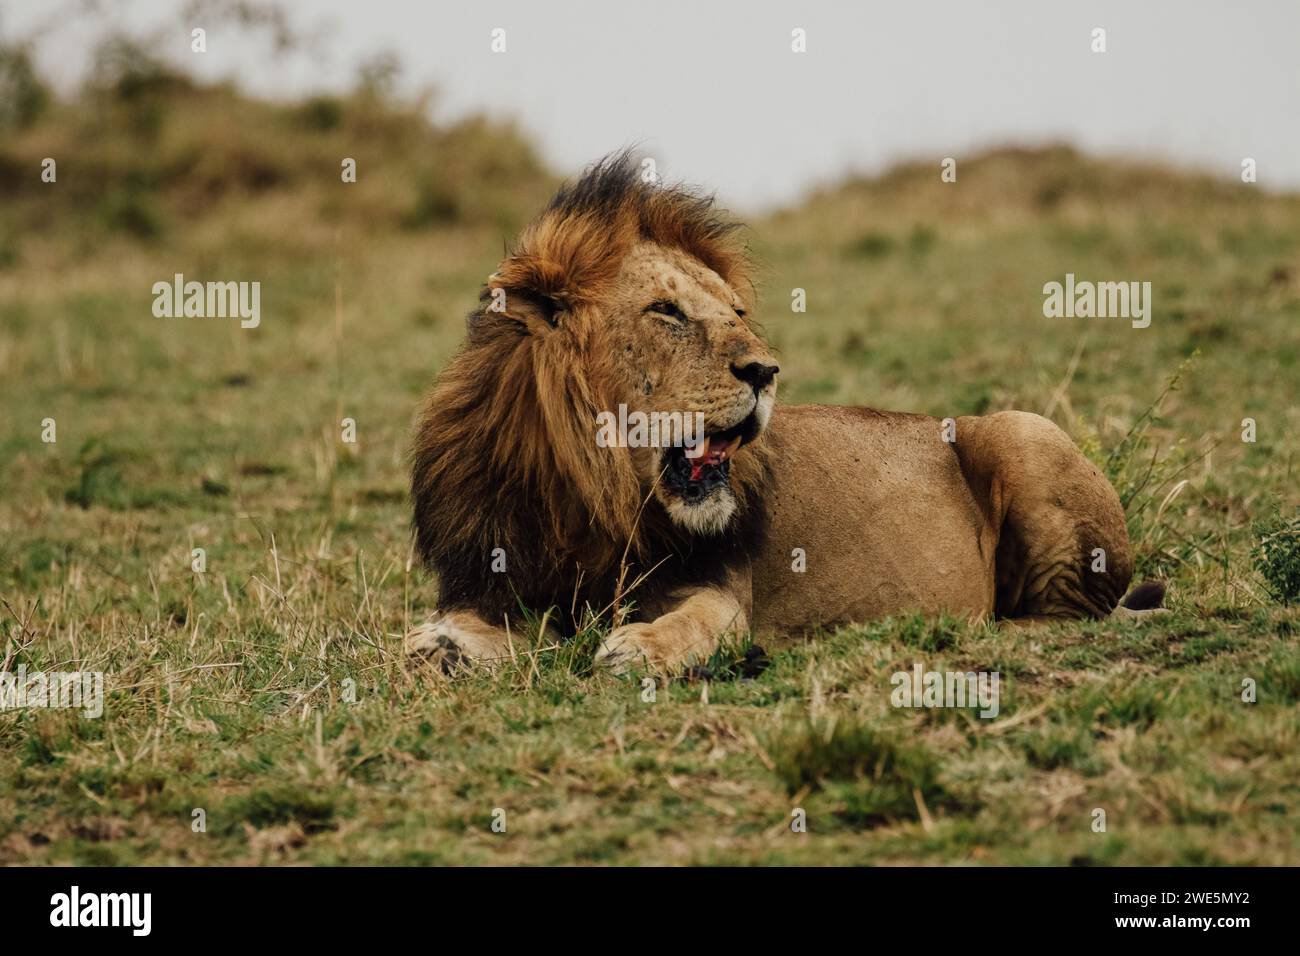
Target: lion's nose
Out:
[757,374]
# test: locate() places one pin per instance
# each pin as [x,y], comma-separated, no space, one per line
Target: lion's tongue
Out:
[711,454]
[698,457]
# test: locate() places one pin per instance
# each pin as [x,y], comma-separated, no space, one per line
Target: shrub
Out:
[23,97]
[1276,555]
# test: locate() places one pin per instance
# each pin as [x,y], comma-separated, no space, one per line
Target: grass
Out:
[258,712]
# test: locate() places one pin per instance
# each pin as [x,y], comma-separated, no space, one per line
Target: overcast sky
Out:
[712,90]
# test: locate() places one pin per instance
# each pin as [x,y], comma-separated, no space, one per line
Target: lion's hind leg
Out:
[1063,549]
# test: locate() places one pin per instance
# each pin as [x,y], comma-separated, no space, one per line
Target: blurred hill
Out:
[146,155]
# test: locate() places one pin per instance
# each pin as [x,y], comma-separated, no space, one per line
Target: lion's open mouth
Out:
[694,474]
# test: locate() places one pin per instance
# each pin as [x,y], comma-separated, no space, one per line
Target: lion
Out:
[781,520]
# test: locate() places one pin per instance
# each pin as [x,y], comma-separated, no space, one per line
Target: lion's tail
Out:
[1144,601]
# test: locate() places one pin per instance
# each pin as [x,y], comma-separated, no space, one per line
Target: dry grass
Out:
[228,689]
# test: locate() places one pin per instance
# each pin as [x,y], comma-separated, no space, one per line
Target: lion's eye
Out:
[665,307]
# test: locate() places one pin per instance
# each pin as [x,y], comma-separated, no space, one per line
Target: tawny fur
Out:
[1005,520]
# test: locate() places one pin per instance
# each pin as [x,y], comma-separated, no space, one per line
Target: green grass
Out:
[229,690]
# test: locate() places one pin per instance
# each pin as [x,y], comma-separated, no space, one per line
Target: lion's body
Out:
[889,518]
[625,295]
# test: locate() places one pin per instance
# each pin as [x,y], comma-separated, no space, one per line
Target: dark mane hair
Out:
[504,455]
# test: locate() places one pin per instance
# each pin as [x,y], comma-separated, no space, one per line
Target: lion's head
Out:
[623,298]
[680,353]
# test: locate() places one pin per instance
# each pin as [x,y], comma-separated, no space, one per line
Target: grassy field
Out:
[268,691]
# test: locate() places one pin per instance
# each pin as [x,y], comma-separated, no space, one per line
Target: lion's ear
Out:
[535,310]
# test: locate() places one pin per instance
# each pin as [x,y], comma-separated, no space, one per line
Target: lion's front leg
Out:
[688,633]
[460,637]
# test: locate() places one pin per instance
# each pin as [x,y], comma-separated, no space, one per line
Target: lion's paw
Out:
[435,644]
[629,646]
[455,639]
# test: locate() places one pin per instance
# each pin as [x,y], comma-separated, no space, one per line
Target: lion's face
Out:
[680,345]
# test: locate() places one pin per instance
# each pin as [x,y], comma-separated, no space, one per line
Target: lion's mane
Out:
[504,454]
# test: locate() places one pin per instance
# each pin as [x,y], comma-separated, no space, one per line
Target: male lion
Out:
[627,293]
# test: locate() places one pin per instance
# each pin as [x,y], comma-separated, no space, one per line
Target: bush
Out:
[322,113]
[23,97]
[126,70]
[132,212]
[1277,555]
